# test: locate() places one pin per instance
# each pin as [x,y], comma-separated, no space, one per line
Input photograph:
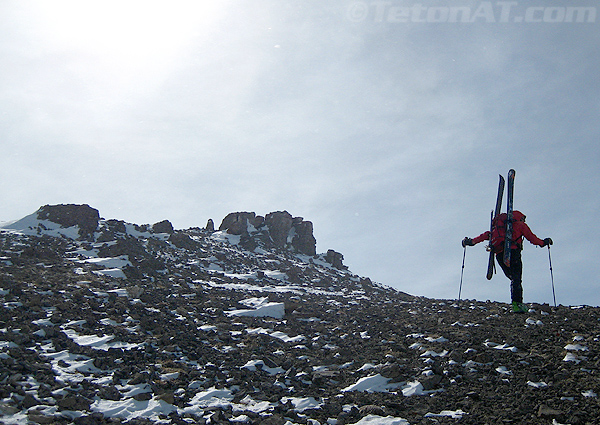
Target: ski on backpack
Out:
[495,213]
[509,217]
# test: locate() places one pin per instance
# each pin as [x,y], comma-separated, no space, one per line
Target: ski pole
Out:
[551,276]
[462,272]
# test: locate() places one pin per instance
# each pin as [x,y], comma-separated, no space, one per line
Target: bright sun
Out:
[126,30]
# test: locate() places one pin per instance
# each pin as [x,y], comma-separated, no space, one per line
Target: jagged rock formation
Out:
[277,229]
[139,327]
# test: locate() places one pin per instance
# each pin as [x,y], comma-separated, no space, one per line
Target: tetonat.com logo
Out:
[486,12]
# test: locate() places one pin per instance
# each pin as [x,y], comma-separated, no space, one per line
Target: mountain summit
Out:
[108,322]
[277,230]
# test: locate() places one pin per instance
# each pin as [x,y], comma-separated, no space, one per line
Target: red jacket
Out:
[520,230]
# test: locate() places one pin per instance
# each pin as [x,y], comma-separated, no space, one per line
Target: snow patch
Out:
[381,420]
[31,225]
[454,414]
[261,307]
[374,383]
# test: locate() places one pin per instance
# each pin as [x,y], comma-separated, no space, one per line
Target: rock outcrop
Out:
[68,215]
[164,226]
[280,224]
[236,223]
[277,229]
[335,259]
[210,225]
[304,240]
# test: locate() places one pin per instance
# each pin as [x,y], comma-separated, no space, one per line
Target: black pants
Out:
[514,273]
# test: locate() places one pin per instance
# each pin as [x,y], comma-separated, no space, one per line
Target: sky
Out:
[385,123]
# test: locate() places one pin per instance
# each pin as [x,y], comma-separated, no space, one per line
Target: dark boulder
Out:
[68,215]
[164,226]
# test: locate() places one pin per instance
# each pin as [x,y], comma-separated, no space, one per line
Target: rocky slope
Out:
[103,321]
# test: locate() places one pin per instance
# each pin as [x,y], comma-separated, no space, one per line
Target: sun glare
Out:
[128,29]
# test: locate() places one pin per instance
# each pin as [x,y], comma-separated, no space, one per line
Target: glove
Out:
[548,241]
[467,242]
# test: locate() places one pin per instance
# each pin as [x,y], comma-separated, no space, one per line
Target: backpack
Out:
[498,232]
